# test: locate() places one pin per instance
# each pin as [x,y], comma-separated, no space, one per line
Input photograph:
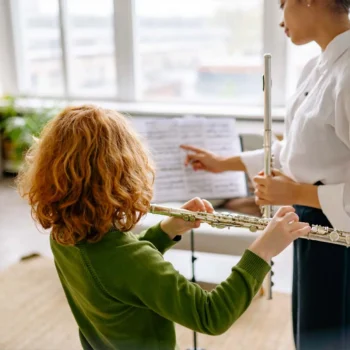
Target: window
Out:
[183,51]
[91,50]
[40,54]
[200,50]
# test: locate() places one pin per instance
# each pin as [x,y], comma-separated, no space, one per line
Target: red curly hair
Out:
[88,172]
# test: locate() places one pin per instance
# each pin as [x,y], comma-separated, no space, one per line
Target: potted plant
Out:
[18,129]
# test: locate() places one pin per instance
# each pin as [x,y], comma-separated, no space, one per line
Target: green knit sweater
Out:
[124,296]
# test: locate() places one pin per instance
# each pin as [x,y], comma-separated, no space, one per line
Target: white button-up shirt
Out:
[316,145]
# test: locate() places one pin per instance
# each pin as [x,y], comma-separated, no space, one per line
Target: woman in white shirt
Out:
[314,159]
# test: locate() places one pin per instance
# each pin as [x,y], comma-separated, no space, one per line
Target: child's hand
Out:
[178,226]
[283,229]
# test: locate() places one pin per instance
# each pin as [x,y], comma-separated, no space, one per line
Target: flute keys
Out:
[188,218]
[347,239]
[220,226]
[253,228]
[217,225]
[334,236]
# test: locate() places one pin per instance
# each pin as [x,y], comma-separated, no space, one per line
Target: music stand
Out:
[193,259]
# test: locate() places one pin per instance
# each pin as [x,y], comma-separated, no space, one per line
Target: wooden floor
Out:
[34,315]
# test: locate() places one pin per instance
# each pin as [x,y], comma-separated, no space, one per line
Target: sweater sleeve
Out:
[153,283]
[158,238]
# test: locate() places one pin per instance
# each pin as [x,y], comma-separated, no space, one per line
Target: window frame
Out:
[126,57]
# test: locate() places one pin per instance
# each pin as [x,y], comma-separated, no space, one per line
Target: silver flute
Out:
[252,223]
[268,157]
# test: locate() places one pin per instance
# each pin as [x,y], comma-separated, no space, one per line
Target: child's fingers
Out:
[302,232]
[290,216]
[197,223]
[284,210]
[208,206]
[199,204]
[195,204]
[295,226]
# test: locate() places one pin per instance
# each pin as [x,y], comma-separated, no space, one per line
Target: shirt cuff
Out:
[254,265]
[331,198]
[253,161]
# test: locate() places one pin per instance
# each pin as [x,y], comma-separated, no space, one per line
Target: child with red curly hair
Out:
[89,179]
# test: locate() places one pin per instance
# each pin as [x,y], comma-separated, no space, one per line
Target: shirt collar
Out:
[334,50]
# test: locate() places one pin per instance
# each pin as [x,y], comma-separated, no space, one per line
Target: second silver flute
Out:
[222,220]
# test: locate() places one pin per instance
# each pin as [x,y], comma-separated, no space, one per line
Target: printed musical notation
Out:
[173,180]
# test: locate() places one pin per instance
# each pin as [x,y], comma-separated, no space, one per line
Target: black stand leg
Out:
[193,259]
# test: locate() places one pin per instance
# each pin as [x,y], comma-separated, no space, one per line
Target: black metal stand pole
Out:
[193,259]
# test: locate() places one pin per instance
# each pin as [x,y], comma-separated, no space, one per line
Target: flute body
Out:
[268,158]
[253,224]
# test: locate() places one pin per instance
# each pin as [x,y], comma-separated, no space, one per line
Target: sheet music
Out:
[174,181]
